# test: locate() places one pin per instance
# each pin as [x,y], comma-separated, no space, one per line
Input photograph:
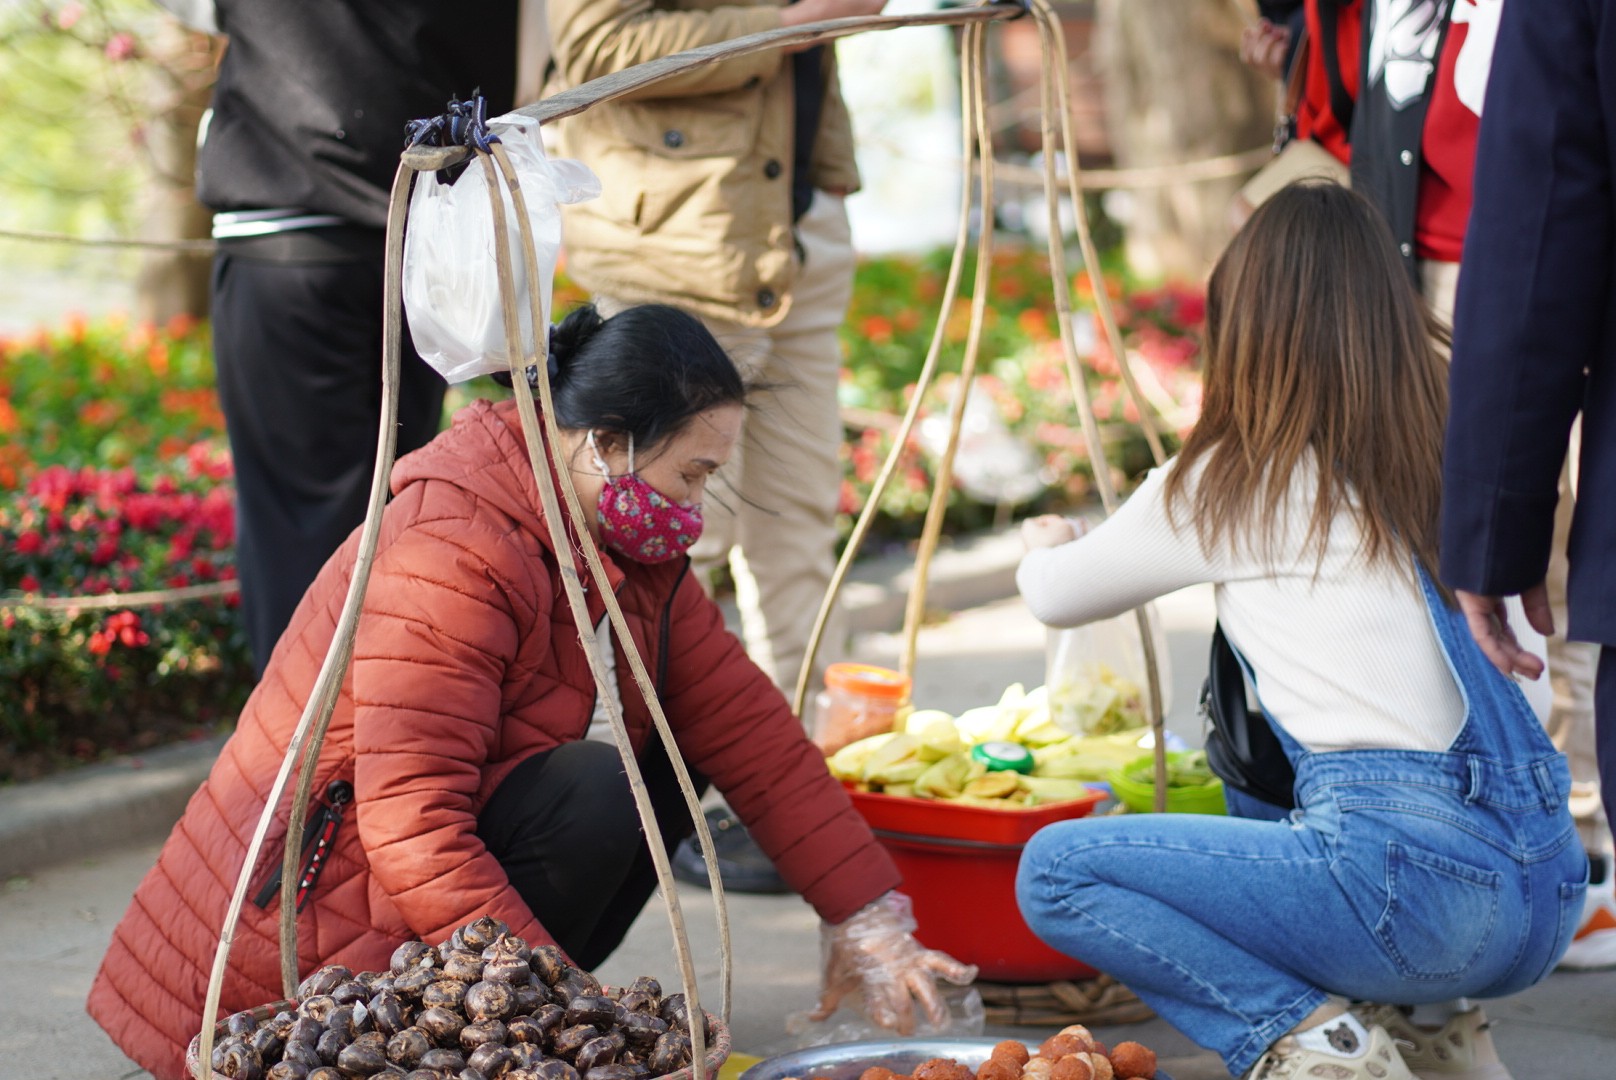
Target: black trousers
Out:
[298,347]
[564,827]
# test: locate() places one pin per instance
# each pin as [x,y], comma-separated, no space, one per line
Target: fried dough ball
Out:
[1014,1050]
[942,1069]
[1073,1067]
[1102,1067]
[1058,1046]
[1077,1029]
[877,1072]
[1133,1061]
[1037,1068]
[999,1067]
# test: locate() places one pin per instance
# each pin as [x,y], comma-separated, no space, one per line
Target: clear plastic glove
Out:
[875,952]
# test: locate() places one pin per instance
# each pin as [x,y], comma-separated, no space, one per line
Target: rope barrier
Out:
[1012,175]
[187,247]
[1146,176]
[104,601]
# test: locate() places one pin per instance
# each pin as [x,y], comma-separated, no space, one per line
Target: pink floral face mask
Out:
[639,522]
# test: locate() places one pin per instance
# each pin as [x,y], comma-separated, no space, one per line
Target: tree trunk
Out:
[1176,91]
[171,283]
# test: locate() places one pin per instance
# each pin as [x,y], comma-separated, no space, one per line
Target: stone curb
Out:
[131,800]
[137,799]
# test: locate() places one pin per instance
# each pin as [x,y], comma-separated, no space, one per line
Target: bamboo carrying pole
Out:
[569,535]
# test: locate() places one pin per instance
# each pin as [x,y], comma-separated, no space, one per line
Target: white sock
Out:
[1343,1036]
[1438,1013]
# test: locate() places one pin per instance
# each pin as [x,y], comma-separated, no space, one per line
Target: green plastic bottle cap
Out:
[1003,756]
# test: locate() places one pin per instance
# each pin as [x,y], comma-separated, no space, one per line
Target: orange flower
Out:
[102,412]
[877,328]
[1083,285]
[157,357]
[1035,324]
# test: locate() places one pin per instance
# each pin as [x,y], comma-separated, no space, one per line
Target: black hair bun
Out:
[570,335]
[566,338]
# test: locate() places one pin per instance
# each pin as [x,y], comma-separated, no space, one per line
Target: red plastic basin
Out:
[959,868]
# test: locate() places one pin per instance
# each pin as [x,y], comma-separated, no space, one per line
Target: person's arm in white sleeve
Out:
[1132,557]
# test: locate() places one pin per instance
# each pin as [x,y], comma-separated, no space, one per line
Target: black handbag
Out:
[1241,748]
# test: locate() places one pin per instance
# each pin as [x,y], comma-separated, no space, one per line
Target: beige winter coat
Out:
[695,171]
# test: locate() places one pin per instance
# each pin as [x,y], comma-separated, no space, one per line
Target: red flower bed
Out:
[146,505]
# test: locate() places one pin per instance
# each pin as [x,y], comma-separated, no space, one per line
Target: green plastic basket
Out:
[1141,798]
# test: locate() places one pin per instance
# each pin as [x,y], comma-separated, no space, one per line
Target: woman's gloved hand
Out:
[875,951]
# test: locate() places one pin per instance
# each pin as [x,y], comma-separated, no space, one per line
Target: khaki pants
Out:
[772,514]
[1571,663]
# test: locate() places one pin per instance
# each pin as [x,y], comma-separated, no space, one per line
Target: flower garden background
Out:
[115,478]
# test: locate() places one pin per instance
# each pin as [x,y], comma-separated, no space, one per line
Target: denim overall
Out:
[1402,876]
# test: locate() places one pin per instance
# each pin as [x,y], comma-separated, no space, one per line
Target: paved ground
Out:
[54,923]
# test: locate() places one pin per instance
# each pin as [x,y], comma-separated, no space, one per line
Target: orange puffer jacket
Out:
[467,662]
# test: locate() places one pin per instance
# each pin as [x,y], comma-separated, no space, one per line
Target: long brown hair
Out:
[1318,345]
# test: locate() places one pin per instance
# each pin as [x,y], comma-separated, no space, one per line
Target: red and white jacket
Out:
[1416,74]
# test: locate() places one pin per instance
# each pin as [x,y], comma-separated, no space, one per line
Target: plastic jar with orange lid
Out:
[859,700]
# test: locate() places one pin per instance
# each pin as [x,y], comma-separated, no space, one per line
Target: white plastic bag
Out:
[1096,676]
[992,464]
[451,276]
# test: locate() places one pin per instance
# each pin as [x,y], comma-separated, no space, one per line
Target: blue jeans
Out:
[1402,876]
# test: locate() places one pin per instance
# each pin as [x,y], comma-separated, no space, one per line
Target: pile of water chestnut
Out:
[483,1005]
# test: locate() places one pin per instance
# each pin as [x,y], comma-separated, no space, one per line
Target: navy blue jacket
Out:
[1535,325]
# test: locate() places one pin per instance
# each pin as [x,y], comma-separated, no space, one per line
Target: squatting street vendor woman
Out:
[458,762]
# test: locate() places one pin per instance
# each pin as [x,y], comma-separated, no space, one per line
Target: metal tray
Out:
[845,1061]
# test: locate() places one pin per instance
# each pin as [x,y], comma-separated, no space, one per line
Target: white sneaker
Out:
[1287,1060]
[1461,1049]
[1594,947]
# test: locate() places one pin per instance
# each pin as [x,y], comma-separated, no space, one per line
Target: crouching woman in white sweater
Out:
[1430,855]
